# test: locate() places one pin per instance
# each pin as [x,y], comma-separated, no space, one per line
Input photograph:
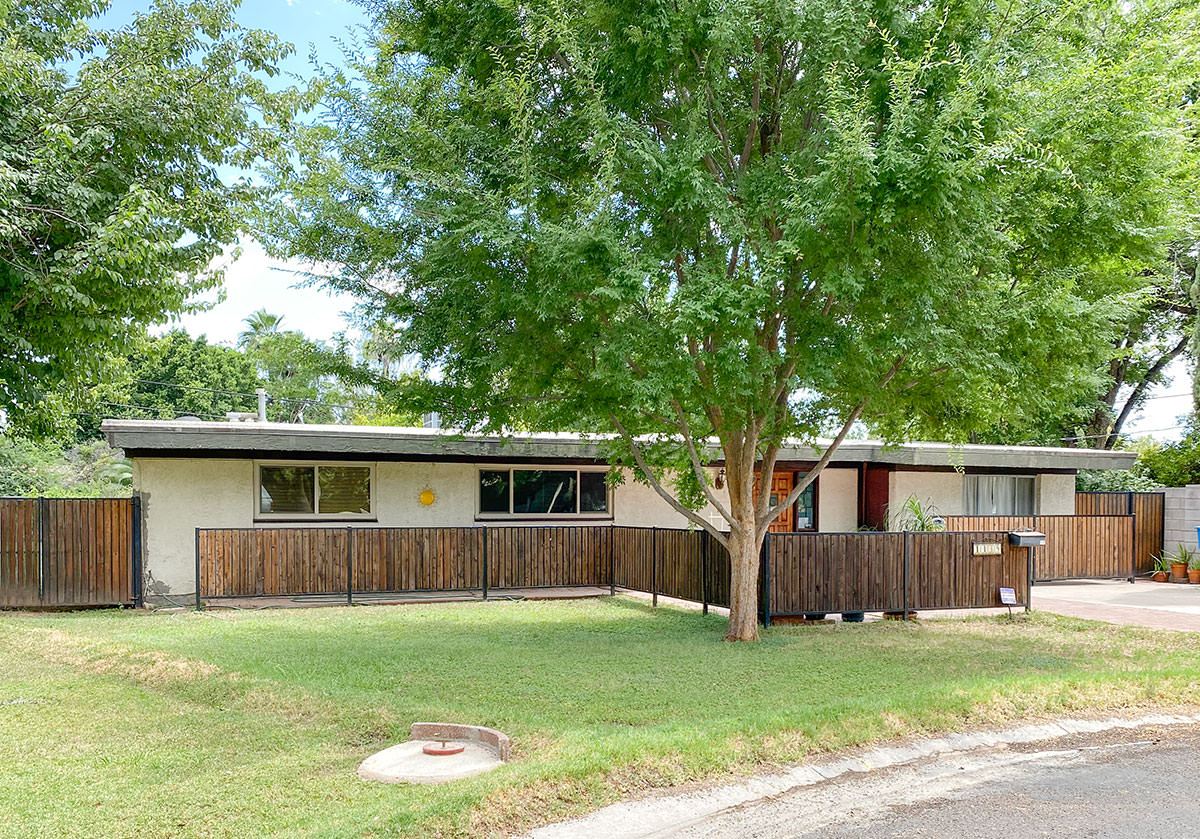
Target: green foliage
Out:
[916,516]
[1172,464]
[112,202]
[747,222]
[1182,556]
[88,469]
[1162,565]
[170,376]
[1121,480]
[760,219]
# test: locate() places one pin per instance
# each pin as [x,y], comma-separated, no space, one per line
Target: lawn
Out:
[245,724]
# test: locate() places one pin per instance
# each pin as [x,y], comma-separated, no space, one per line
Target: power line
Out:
[1097,436]
[156,410]
[301,399]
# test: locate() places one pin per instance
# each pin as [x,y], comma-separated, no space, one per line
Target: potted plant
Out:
[1162,570]
[1180,561]
[1193,571]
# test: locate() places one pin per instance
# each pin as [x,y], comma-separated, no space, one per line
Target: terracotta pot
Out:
[1194,575]
[1179,570]
[1159,576]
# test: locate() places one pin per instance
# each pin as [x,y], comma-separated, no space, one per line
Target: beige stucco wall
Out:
[179,495]
[398,487]
[1056,495]
[837,500]
[940,492]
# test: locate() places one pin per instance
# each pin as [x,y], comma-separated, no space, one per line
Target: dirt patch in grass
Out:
[147,667]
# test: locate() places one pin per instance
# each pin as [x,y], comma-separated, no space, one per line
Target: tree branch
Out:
[656,485]
[698,468]
[1135,398]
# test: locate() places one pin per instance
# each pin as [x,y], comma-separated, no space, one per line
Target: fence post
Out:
[349,566]
[199,605]
[1033,561]
[1133,569]
[135,548]
[906,581]
[704,571]
[1030,564]
[765,562]
[483,531]
[654,566]
[612,560]
[43,507]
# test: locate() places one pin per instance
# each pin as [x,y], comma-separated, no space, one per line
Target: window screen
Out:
[999,495]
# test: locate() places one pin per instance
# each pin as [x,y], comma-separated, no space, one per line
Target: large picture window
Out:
[999,495]
[318,490]
[542,492]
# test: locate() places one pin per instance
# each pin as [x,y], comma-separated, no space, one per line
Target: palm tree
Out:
[259,324]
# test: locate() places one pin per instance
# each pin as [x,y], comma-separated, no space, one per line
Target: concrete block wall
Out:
[1181,515]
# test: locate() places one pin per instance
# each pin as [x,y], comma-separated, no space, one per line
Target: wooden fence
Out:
[1077,547]
[1147,509]
[803,572]
[892,572]
[63,552]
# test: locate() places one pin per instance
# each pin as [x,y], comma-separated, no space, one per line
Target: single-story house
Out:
[193,474]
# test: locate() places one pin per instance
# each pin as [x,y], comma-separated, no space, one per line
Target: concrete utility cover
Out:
[406,763]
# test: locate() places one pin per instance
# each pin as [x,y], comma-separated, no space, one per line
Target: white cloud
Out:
[257,281]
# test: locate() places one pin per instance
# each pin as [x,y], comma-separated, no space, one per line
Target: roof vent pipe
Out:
[261,393]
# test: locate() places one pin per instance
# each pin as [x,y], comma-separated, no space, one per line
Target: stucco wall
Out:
[940,492]
[837,500]
[1056,495]
[179,495]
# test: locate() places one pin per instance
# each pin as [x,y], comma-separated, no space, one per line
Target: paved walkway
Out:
[1144,603]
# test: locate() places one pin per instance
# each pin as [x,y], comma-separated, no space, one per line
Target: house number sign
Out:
[986,549]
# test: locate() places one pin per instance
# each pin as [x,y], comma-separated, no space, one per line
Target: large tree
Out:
[710,227]
[113,198]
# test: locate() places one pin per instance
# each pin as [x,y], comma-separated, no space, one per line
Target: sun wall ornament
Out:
[427,497]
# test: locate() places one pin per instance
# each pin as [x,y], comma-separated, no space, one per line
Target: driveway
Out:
[1118,785]
[1143,603]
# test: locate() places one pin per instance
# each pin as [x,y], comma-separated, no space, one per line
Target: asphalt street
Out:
[1138,784]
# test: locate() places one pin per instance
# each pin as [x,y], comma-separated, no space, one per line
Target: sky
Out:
[256,281]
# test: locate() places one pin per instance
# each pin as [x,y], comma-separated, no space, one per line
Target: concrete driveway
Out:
[1143,603]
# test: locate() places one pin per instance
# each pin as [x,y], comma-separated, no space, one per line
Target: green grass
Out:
[246,724]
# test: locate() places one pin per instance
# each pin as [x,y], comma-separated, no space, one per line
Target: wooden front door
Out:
[781,484]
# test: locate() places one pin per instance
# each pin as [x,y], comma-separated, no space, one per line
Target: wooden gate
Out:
[63,552]
[1147,509]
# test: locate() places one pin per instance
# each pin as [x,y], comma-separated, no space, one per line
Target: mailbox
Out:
[1026,539]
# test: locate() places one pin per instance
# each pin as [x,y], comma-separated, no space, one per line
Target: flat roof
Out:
[190,438]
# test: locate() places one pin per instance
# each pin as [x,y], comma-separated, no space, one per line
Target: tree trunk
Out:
[743,588]
[743,551]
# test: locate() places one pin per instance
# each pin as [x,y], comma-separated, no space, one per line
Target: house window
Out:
[999,495]
[806,507]
[542,492]
[318,490]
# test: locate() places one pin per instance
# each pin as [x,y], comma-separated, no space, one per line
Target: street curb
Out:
[662,815]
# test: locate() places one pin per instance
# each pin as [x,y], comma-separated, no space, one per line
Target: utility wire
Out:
[248,395]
